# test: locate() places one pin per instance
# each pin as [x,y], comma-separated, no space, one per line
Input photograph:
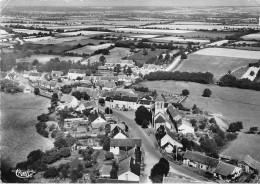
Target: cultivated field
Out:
[217,65]
[234,104]
[255,36]
[181,40]
[116,54]
[27,31]
[236,53]
[89,49]
[150,31]
[43,58]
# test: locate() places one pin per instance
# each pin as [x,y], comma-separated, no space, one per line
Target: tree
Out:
[114,170]
[117,68]
[77,95]
[167,56]
[185,92]
[142,114]
[160,56]
[85,96]
[108,111]
[106,144]
[102,59]
[193,122]
[235,127]
[35,62]
[88,72]
[54,99]
[145,124]
[65,152]
[159,170]
[129,71]
[36,91]
[51,173]
[207,93]
[43,118]
[109,156]
[60,143]
[34,156]
[101,101]
[79,79]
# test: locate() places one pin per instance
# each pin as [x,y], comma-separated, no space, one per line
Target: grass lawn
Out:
[216,65]
[234,105]
[142,58]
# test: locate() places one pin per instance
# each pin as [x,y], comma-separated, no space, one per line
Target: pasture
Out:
[27,31]
[255,36]
[232,103]
[115,55]
[43,58]
[82,33]
[90,49]
[139,57]
[216,65]
[180,40]
[224,52]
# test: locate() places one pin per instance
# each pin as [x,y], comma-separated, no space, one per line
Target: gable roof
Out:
[252,163]
[206,160]
[120,125]
[168,132]
[67,98]
[159,119]
[117,130]
[224,169]
[159,97]
[125,142]
[93,116]
[172,111]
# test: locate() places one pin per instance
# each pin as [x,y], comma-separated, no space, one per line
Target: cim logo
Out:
[24,174]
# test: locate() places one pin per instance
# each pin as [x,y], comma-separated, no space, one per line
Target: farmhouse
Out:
[69,101]
[74,73]
[127,144]
[249,165]
[118,133]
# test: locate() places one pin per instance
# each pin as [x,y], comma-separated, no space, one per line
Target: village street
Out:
[174,64]
[152,155]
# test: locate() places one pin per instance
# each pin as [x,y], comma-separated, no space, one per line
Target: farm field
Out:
[54,40]
[255,36]
[217,65]
[89,49]
[43,58]
[224,52]
[139,57]
[178,39]
[196,23]
[232,103]
[239,72]
[83,33]
[150,31]
[77,27]
[145,36]
[27,31]
[205,34]
[251,73]
[244,42]
[198,27]
[218,43]
[116,54]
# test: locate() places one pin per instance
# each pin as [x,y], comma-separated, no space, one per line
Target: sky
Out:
[133,2]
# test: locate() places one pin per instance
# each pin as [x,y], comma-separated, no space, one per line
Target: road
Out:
[152,155]
[174,63]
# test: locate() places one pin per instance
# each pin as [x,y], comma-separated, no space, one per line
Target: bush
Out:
[185,92]
[207,93]
[231,136]
[65,152]
[60,142]
[212,120]
[235,127]
[34,156]
[43,118]
[38,166]
[108,111]
[109,156]
[159,170]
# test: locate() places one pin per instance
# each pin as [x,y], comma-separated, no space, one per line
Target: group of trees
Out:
[143,117]
[80,95]
[231,81]
[235,127]
[160,170]
[41,129]
[204,78]
[141,89]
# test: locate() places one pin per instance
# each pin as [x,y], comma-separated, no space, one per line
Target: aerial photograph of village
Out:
[120,91]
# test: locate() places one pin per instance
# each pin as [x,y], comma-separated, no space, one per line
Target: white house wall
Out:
[129,176]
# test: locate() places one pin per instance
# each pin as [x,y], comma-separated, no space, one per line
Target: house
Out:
[105,171]
[56,74]
[118,133]
[109,85]
[249,165]
[97,119]
[69,101]
[74,73]
[34,76]
[169,141]
[25,88]
[127,172]
[124,102]
[202,162]
[83,105]
[174,116]
[126,144]
[186,128]
[226,171]
[54,85]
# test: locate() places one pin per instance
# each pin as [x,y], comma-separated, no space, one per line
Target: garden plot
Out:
[181,40]
[90,49]
[255,36]
[251,73]
[27,31]
[43,58]
[236,53]
[150,31]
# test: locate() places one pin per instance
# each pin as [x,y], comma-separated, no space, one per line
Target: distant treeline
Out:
[204,78]
[232,81]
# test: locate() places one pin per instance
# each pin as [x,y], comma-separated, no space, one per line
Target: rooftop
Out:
[125,142]
[194,156]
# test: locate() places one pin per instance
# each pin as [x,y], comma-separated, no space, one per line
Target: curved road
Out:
[151,152]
